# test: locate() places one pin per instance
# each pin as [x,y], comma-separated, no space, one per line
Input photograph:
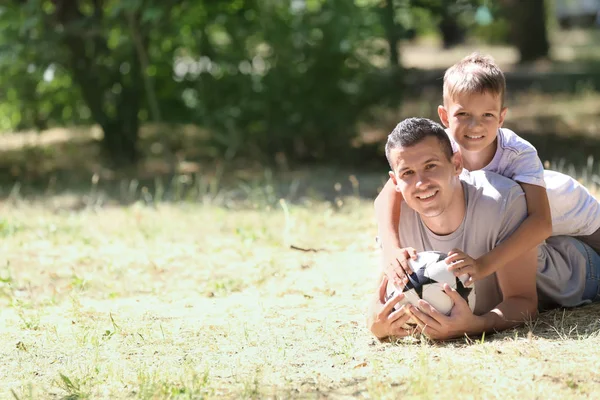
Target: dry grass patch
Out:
[193,301]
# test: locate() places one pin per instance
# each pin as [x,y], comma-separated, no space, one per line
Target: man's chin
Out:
[431,213]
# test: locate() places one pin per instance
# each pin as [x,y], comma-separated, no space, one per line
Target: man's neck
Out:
[452,217]
[476,160]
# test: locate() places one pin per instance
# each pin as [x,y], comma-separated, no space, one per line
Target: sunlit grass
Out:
[205,297]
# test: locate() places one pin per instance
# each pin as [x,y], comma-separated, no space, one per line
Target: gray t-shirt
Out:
[561,273]
[495,207]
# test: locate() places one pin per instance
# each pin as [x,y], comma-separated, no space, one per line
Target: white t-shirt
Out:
[575,212]
[495,207]
[516,159]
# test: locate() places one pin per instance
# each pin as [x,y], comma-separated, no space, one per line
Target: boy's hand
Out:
[396,266]
[463,264]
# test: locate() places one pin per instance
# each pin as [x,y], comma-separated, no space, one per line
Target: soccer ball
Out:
[427,283]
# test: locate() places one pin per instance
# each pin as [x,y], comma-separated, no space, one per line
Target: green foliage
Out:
[263,76]
[296,85]
[496,32]
[28,98]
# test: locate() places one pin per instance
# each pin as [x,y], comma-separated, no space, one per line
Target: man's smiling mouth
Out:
[427,196]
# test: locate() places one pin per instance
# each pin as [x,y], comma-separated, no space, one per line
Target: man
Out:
[448,209]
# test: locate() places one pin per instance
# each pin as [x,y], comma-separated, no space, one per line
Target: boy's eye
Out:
[406,173]
[461,114]
[430,166]
[488,115]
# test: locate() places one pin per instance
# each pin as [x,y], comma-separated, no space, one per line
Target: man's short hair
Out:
[474,74]
[411,131]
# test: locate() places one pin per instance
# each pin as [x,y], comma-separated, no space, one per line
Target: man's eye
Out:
[430,166]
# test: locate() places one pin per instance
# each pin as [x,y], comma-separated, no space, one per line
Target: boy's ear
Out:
[503,112]
[443,114]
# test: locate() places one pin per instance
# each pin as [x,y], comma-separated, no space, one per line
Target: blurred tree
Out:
[292,78]
[529,33]
[100,47]
[449,16]
[392,30]
[263,76]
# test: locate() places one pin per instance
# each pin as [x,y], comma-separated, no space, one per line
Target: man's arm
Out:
[382,320]
[517,284]
[519,304]
[536,228]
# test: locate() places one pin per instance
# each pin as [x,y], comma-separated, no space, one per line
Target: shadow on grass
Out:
[568,323]
[75,167]
[560,324]
[556,77]
[194,173]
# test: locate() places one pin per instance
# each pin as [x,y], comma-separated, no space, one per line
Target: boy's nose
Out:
[474,122]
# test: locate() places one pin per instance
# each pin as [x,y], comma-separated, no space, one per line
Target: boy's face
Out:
[473,119]
[425,176]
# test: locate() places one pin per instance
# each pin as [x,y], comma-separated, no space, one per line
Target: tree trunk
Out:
[119,144]
[391,32]
[529,34]
[452,33]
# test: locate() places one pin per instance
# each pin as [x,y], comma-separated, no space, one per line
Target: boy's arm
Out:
[534,229]
[387,213]
[519,304]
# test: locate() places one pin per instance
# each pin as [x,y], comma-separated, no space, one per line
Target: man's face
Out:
[473,119]
[425,176]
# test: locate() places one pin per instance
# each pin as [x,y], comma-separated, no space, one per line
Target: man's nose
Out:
[422,180]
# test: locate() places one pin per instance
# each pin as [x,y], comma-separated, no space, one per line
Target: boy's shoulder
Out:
[490,182]
[509,140]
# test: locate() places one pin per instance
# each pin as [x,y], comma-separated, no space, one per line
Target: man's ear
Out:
[394,181]
[443,114]
[457,163]
[502,116]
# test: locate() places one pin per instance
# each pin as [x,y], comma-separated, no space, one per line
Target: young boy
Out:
[473,113]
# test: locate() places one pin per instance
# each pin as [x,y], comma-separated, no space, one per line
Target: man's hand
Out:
[436,325]
[396,266]
[383,320]
[461,263]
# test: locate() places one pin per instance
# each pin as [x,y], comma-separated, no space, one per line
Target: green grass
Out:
[192,300]
[133,286]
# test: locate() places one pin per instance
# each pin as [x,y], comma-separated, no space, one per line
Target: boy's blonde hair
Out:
[474,74]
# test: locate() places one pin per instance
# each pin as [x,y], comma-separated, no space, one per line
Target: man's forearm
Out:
[511,312]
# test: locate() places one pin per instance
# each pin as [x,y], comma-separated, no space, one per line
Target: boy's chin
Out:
[474,145]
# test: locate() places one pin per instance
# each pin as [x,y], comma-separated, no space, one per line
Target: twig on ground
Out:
[307,250]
